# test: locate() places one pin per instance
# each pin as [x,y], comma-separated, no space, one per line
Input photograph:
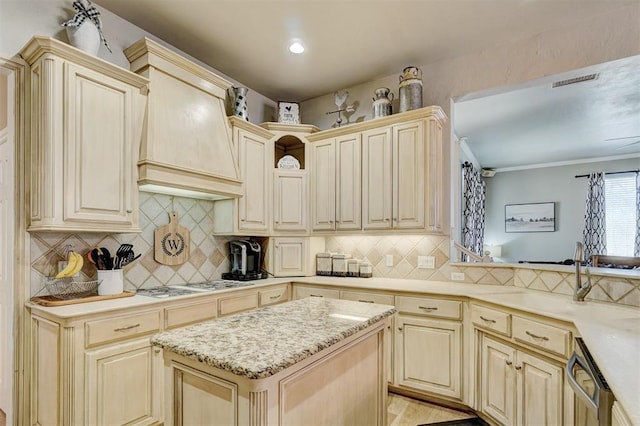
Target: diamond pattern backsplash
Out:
[207,256]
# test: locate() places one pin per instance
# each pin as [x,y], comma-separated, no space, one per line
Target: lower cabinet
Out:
[428,355]
[124,384]
[517,388]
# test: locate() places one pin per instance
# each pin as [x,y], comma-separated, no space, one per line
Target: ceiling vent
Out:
[575,80]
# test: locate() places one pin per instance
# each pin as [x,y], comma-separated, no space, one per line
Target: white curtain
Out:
[636,247]
[473,196]
[594,234]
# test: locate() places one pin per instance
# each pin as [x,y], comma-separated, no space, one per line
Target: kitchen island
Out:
[310,361]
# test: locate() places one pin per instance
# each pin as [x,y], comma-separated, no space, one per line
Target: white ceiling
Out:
[537,124]
[349,42]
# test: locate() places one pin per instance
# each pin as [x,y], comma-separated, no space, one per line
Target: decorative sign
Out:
[288,112]
[171,242]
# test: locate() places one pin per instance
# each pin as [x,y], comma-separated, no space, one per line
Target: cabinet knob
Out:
[241,220]
[157,350]
[129,211]
[509,362]
[399,328]
[518,367]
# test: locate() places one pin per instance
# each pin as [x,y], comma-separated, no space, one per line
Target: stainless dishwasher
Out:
[594,397]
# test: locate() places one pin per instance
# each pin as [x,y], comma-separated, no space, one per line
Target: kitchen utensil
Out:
[106,258]
[130,258]
[121,254]
[171,242]
[96,255]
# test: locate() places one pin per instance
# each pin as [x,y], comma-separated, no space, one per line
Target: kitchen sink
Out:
[191,288]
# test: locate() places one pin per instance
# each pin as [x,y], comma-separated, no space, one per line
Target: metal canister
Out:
[382,102]
[410,89]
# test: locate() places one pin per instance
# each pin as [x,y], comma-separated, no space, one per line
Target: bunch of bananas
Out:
[74,265]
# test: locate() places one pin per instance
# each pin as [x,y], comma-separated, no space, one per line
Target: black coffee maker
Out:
[246,261]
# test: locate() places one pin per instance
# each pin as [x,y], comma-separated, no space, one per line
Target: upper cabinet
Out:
[86,123]
[187,144]
[380,175]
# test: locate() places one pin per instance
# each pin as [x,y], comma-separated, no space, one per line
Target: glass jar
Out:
[366,270]
[323,264]
[353,268]
[340,264]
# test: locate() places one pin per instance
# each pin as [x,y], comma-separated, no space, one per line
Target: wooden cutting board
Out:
[54,301]
[171,242]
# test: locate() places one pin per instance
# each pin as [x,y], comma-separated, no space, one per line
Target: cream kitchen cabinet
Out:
[249,214]
[402,175]
[98,371]
[294,256]
[428,345]
[336,184]
[85,135]
[290,201]
[517,388]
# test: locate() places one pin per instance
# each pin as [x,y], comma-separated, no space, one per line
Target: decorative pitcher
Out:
[410,89]
[238,97]
[382,102]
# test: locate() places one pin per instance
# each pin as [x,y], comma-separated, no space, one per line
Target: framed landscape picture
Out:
[535,217]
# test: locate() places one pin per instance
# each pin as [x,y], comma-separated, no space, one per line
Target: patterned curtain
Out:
[636,247]
[472,210]
[594,233]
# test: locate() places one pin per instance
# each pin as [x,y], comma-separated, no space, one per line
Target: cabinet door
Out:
[289,257]
[429,355]
[99,149]
[348,187]
[290,201]
[408,175]
[539,390]
[253,158]
[376,179]
[124,384]
[323,200]
[497,381]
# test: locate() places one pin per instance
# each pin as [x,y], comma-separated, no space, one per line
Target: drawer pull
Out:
[518,367]
[366,301]
[509,362]
[487,319]
[277,296]
[537,337]
[129,327]
[316,295]
[428,308]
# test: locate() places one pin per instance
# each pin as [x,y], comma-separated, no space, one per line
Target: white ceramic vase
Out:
[86,37]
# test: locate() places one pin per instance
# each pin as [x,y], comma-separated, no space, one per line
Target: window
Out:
[620,193]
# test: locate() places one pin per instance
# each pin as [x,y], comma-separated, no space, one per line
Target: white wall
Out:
[22,19]
[607,37]
[551,184]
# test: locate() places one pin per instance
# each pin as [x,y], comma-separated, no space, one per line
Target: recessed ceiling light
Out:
[296,47]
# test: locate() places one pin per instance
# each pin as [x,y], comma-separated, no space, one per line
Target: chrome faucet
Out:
[580,291]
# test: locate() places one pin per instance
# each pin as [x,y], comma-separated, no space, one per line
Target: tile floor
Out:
[403,411]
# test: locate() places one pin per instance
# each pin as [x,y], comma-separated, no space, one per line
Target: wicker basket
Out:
[65,288]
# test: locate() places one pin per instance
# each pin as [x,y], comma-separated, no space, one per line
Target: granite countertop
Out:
[262,342]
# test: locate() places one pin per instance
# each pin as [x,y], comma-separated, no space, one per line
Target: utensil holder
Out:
[112,282]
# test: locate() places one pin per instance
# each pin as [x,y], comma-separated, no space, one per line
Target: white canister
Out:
[340,264]
[323,264]
[112,282]
[353,268]
[366,270]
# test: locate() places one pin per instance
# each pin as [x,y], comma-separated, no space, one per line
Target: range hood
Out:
[187,147]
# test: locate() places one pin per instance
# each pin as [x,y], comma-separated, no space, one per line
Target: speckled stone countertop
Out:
[263,342]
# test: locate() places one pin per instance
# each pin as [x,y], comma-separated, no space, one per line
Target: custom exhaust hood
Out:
[187,147]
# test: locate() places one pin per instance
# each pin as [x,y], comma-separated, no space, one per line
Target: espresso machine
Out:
[246,261]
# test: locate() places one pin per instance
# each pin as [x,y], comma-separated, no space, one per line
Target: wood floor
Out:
[403,411]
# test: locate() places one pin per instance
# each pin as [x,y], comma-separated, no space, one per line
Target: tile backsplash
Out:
[208,256]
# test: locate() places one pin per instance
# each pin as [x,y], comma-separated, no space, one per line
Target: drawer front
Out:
[177,316]
[544,336]
[244,302]
[357,296]
[302,292]
[431,307]
[491,319]
[271,296]
[120,328]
